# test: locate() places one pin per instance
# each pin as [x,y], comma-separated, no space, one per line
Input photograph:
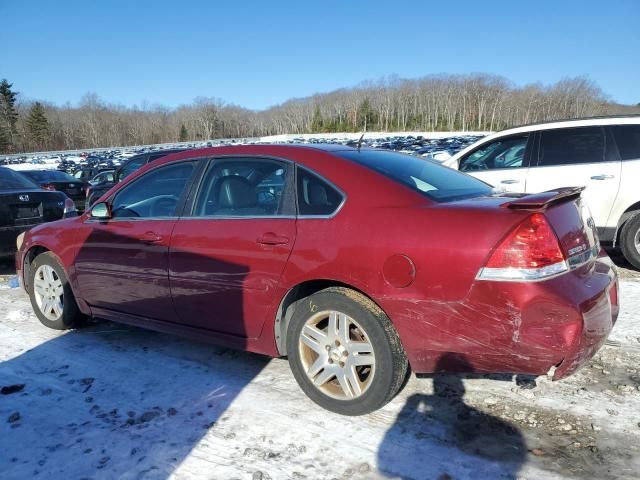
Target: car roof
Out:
[267,149]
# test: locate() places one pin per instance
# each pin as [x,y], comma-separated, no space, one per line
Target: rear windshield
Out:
[50,176]
[12,180]
[434,181]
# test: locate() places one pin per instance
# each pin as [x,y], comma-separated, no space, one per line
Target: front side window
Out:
[439,183]
[569,146]
[245,188]
[628,140]
[315,196]
[504,153]
[154,195]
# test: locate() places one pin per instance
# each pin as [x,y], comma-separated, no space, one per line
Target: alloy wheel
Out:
[48,292]
[337,355]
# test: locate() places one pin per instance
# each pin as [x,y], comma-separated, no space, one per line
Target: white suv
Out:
[602,154]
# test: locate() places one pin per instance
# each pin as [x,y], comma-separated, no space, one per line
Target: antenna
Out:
[360,141]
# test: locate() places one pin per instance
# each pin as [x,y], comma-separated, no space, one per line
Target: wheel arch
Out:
[29,257]
[293,297]
[626,215]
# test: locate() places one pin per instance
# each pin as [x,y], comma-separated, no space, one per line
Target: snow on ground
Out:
[111,401]
[32,166]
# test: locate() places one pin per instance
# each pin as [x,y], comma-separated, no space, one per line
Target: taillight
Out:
[530,252]
[69,207]
[48,186]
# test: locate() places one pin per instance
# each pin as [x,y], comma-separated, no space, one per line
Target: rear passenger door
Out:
[502,163]
[582,156]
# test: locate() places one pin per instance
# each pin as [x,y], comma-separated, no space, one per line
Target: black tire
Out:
[71,317]
[630,231]
[391,366]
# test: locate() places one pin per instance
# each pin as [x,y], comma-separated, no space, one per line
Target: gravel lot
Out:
[111,401]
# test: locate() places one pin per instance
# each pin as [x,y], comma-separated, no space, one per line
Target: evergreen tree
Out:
[365,114]
[38,126]
[317,123]
[8,114]
[4,140]
[184,135]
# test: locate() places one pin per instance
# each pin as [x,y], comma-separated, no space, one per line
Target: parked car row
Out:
[438,149]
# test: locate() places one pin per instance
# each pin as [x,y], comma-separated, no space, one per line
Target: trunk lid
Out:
[30,207]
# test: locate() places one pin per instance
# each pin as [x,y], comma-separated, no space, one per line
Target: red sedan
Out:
[357,264]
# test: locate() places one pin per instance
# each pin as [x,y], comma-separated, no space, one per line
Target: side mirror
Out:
[101,211]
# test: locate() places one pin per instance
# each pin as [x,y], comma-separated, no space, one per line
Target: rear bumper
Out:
[512,327]
[598,318]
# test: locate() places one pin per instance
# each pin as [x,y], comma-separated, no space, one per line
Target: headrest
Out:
[234,191]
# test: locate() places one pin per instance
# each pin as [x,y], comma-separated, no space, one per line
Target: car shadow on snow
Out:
[440,436]
[112,401]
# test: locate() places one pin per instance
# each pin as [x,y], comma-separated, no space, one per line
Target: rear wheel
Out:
[344,352]
[630,240]
[50,294]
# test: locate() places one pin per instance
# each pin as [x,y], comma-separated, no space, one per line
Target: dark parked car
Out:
[95,191]
[61,181]
[23,204]
[356,264]
[103,176]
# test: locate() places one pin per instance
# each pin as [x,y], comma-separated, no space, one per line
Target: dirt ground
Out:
[111,401]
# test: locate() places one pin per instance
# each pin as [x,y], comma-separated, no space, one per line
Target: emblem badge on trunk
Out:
[23,198]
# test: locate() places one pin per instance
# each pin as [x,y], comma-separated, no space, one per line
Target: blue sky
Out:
[258,54]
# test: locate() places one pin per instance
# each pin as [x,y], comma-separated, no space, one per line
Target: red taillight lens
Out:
[530,252]
[48,186]
[531,245]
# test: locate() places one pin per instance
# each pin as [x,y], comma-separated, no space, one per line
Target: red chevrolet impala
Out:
[357,264]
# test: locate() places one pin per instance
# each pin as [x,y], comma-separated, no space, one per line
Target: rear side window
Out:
[628,139]
[569,146]
[434,181]
[315,196]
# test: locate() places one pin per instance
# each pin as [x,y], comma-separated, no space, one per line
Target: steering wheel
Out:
[164,206]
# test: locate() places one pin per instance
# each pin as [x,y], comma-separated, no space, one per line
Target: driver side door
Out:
[122,262]
[503,163]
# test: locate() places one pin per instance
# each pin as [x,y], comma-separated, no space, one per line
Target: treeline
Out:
[432,103]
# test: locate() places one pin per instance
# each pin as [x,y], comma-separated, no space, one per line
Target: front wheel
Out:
[630,240]
[344,352]
[51,295]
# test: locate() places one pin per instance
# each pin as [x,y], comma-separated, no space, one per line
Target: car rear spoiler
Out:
[544,199]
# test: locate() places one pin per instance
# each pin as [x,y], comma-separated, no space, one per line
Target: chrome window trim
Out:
[126,219]
[240,217]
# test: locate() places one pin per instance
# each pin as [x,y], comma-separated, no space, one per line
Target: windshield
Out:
[12,180]
[434,181]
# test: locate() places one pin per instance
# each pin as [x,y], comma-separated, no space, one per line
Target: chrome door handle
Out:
[602,177]
[509,182]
